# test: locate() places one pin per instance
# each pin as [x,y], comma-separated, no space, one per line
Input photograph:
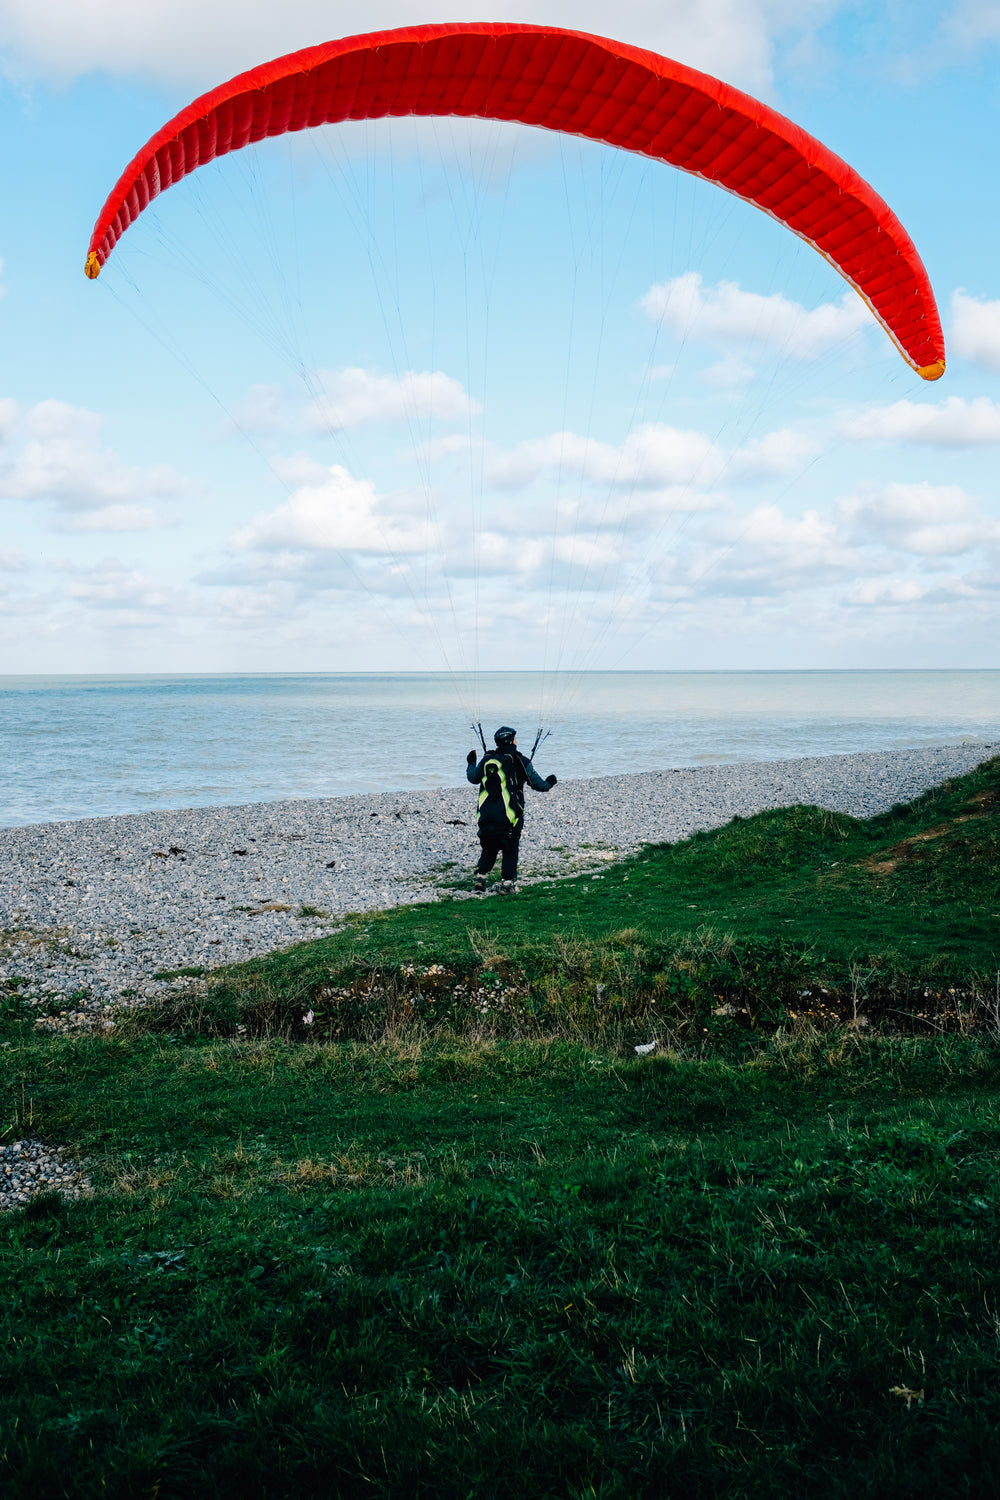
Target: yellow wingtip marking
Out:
[932,372]
[93,265]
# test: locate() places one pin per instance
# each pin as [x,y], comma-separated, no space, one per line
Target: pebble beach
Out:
[93,911]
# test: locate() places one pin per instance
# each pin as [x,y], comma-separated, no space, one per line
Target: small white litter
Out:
[646,1048]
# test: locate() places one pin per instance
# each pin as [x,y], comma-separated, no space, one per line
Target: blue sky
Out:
[457,395]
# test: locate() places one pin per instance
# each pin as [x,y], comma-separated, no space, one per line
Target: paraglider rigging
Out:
[576,84]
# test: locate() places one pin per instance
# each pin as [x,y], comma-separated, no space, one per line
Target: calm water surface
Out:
[74,747]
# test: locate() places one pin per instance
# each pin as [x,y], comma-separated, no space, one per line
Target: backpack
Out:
[499,787]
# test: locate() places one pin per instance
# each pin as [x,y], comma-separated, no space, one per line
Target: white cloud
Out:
[975,329]
[18,605]
[56,421]
[728,373]
[767,555]
[670,462]
[10,415]
[777,550]
[499,555]
[110,584]
[256,602]
[925,519]
[652,456]
[263,409]
[112,518]
[872,592]
[953,423]
[356,398]
[57,457]
[192,44]
[974,21]
[774,456]
[581,551]
[451,445]
[333,511]
[889,546]
[347,399]
[548,561]
[656,470]
[726,312]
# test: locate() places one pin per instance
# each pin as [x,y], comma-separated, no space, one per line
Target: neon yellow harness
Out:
[495,763]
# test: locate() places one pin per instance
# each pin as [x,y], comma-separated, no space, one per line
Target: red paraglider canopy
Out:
[574,83]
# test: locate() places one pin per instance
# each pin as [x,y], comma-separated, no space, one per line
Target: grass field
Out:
[453,1237]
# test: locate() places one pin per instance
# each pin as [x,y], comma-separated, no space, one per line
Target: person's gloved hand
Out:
[550,780]
[472,757]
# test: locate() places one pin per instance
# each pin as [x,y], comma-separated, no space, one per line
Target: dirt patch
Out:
[886,862]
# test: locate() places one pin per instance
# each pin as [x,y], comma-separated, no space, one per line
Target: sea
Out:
[98,746]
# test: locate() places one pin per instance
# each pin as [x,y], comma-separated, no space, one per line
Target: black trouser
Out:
[502,841]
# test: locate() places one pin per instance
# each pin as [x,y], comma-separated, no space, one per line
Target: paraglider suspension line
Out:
[540,739]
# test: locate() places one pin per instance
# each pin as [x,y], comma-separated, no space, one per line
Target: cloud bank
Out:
[186,43]
[52,453]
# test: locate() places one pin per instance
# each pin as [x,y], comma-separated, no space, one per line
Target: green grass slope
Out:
[492,1251]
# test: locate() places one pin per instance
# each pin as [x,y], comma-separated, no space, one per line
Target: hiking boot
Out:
[479,884]
[508,887]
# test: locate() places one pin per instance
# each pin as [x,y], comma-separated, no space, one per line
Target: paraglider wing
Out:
[580,85]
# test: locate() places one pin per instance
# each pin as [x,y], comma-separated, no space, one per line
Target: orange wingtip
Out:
[932,372]
[93,265]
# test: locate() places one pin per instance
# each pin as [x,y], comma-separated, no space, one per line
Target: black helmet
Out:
[504,733]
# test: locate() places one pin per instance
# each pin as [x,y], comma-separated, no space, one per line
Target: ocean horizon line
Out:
[518,672]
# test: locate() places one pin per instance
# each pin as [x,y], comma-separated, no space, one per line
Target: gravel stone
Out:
[29,1167]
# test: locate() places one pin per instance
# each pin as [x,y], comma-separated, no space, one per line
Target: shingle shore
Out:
[91,911]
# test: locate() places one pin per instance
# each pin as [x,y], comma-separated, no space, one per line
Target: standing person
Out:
[502,773]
